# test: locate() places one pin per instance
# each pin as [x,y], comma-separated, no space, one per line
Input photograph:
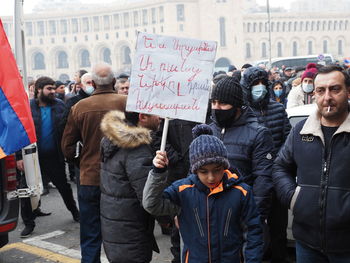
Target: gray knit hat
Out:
[206,149]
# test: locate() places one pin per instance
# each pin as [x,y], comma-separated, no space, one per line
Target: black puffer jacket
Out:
[249,146]
[127,153]
[320,199]
[270,113]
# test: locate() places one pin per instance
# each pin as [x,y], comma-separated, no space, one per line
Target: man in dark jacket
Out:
[47,113]
[249,145]
[127,151]
[84,125]
[273,116]
[317,152]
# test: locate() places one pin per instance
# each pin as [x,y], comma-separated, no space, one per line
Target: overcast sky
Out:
[7,6]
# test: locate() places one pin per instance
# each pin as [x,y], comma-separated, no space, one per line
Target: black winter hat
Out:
[228,90]
[206,149]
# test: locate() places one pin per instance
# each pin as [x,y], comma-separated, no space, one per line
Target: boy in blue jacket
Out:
[214,207]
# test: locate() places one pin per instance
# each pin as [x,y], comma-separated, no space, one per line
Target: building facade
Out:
[59,42]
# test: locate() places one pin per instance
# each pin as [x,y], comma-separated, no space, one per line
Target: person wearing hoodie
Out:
[249,144]
[304,93]
[127,149]
[216,206]
[273,116]
[278,92]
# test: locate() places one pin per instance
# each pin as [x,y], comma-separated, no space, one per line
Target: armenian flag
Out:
[16,123]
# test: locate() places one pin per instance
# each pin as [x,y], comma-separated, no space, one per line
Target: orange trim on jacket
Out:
[185,186]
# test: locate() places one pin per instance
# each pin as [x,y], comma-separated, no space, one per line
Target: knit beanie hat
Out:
[228,90]
[206,149]
[310,71]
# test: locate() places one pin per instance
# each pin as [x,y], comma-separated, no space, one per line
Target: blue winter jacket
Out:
[250,147]
[211,221]
[57,110]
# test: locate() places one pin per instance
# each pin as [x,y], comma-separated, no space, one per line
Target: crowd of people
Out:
[224,188]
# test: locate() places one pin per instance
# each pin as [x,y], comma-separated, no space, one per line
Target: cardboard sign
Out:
[171,77]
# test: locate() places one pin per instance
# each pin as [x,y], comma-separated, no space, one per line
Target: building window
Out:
[295,48]
[41,28]
[329,25]
[116,21]
[52,27]
[106,23]
[272,26]
[248,28]
[75,27]
[153,14]
[126,34]
[325,46]
[260,27]
[278,27]
[279,49]
[126,20]
[161,14]
[153,30]
[52,41]
[180,11]
[39,61]
[254,27]
[64,27]
[263,50]
[116,35]
[335,25]
[136,18]
[96,21]
[41,41]
[289,26]
[64,40]
[126,55]
[161,29]
[301,25]
[295,26]
[181,27]
[63,77]
[309,47]
[86,38]
[106,55]
[144,17]
[222,32]
[340,47]
[62,60]
[86,24]
[29,29]
[75,39]
[307,26]
[248,53]
[96,37]
[85,58]
[107,36]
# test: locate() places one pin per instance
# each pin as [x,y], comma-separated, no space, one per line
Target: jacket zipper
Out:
[222,134]
[201,232]
[227,224]
[208,226]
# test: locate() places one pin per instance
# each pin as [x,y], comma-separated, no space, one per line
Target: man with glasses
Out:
[47,113]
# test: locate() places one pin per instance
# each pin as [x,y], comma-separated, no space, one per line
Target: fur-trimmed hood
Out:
[116,129]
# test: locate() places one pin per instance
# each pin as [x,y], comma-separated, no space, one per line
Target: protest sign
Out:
[171,77]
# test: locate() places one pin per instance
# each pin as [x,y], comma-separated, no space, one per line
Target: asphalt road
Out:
[56,238]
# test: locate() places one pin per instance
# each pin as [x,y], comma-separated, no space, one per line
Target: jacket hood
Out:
[121,134]
[247,116]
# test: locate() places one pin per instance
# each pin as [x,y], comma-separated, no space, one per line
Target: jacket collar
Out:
[313,126]
[103,90]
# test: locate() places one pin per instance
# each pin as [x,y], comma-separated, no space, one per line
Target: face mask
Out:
[278,92]
[89,90]
[258,92]
[307,88]
[224,117]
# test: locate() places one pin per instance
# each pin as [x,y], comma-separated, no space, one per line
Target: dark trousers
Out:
[90,223]
[54,169]
[306,254]
[175,245]
[27,214]
[278,223]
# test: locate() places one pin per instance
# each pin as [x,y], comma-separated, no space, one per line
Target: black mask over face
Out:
[224,118]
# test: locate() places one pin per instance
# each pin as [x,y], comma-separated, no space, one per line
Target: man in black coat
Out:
[273,116]
[127,151]
[317,153]
[249,144]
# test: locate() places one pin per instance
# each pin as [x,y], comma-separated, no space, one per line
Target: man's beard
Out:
[49,99]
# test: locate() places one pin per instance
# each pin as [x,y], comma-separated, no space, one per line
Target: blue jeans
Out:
[90,224]
[306,254]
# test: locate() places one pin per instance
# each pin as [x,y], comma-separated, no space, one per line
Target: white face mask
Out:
[89,90]
[307,88]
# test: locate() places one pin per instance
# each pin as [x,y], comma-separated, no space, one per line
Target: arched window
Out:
[263,50]
[325,46]
[248,53]
[309,47]
[126,55]
[222,29]
[340,47]
[62,60]
[85,59]
[63,78]
[39,61]
[222,63]
[295,48]
[106,55]
[279,49]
